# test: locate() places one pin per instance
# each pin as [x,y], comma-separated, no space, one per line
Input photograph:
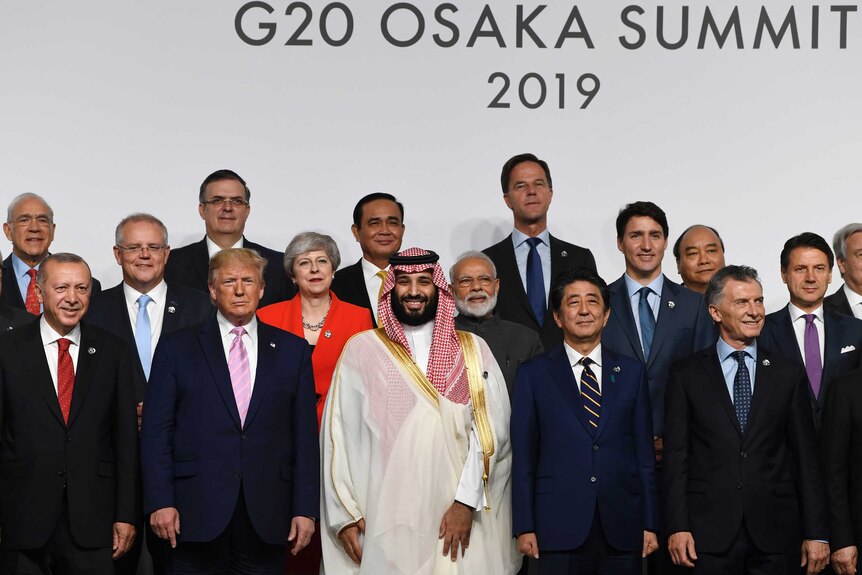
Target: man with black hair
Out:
[699,253]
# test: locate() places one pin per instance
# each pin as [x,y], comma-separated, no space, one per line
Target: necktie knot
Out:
[63,344]
[809,318]
[144,301]
[739,356]
[645,292]
[585,361]
[534,242]
[32,273]
[238,332]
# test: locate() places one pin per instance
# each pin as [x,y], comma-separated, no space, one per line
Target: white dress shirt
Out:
[155,309]
[522,252]
[798,320]
[52,351]
[855,301]
[213,248]
[372,284]
[575,361]
[249,340]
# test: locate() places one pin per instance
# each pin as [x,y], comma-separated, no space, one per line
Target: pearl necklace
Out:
[318,325]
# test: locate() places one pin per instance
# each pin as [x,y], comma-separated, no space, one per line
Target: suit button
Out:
[743,454]
[595,447]
[242,436]
[237,474]
[61,473]
[739,485]
[592,479]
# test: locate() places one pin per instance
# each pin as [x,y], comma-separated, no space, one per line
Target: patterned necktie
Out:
[536,281]
[382,275]
[143,334]
[240,372]
[65,377]
[813,365]
[590,393]
[32,302]
[741,390]
[647,320]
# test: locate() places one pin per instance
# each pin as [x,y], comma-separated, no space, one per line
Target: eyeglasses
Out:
[467,281]
[139,250]
[218,202]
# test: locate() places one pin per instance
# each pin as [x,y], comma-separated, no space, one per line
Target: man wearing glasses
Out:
[224,208]
[139,310]
[30,227]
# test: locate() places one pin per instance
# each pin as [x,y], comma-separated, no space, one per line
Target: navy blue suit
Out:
[562,471]
[197,457]
[683,327]
[842,333]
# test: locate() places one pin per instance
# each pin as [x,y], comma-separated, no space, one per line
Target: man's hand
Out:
[681,548]
[650,543]
[815,555]
[658,444]
[166,524]
[455,529]
[124,536]
[301,530]
[844,560]
[140,412]
[349,537]
[528,545]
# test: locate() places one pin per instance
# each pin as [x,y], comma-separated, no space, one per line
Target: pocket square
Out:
[848,348]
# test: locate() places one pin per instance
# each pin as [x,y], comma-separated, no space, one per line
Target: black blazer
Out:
[12,317]
[837,303]
[512,302]
[683,327]
[11,295]
[715,476]
[349,285]
[184,307]
[842,443]
[842,350]
[189,266]
[94,457]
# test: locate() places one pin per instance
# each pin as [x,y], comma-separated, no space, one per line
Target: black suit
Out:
[184,307]
[189,266]
[717,479]
[842,350]
[837,303]
[842,443]
[11,294]
[88,467]
[512,302]
[349,285]
[12,317]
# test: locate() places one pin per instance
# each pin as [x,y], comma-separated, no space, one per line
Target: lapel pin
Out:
[272,344]
[327,334]
[765,363]
[91,350]
[616,369]
[564,253]
[9,328]
[671,305]
[172,309]
[484,375]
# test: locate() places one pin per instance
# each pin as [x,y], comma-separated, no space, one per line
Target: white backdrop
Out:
[112,107]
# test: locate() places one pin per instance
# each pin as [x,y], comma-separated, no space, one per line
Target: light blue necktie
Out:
[143,334]
[647,320]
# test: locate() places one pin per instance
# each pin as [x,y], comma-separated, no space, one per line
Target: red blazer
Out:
[343,322]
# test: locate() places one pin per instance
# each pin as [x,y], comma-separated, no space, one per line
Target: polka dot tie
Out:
[741,390]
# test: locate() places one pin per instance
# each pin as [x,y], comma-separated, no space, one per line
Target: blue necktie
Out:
[536,281]
[590,394]
[647,320]
[143,334]
[741,390]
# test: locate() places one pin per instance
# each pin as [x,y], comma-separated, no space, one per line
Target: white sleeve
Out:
[471,488]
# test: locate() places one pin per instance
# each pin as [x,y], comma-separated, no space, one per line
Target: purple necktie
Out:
[240,372]
[813,365]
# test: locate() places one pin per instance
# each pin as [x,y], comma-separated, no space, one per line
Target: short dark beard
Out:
[408,318]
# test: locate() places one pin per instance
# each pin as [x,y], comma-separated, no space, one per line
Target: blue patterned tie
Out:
[741,390]
[143,334]
[536,281]
[591,393]
[647,320]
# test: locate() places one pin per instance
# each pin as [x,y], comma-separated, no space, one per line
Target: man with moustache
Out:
[416,456]
[699,253]
[475,285]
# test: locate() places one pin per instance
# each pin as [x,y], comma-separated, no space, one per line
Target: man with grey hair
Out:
[847,243]
[30,227]
[475,285]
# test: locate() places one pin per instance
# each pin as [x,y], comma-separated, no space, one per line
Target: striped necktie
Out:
[591,393]
[240,372]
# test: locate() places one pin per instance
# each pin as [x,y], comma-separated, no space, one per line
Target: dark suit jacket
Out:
[556,458]
[837,303]
[842,333]
[714,476]
[12,317]
[349,285]
[342,322]
[683,326]
[11,295]
[512,302]
[510,342]
[94,457]
[842,455]
[195,454]
[189,266]
[184,307]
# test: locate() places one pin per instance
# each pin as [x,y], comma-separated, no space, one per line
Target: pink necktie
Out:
[240,372]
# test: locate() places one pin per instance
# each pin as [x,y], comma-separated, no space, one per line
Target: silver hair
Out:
[715,288]
[26,196]
[472,255]
[839,240]
[60,258]
[136,218]
[308,242]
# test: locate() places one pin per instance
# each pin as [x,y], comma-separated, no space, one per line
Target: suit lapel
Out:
[564,378]
[762,386]
[622,313]
[201,261]
[610,388]
[213,350]
[11,292]
[559,257]
[785,336]
[117,305]
[715,377]
[88,358]
[357,281]
[33,355]
[172,312]
[666,321]
[835,337]
[517,284]
[267,351]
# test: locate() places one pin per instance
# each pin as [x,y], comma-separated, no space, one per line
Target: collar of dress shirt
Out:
[575,356]
[213,248]
[50,335]
[519,237]
[796,313]
[369,270]
[724,349]
[20,268]
[158,294]
[655,285]
[853,298]
[225,326]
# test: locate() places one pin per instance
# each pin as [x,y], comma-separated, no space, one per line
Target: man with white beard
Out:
[475,285]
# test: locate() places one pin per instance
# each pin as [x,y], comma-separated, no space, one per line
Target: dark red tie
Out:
[65,377]
[32,302]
